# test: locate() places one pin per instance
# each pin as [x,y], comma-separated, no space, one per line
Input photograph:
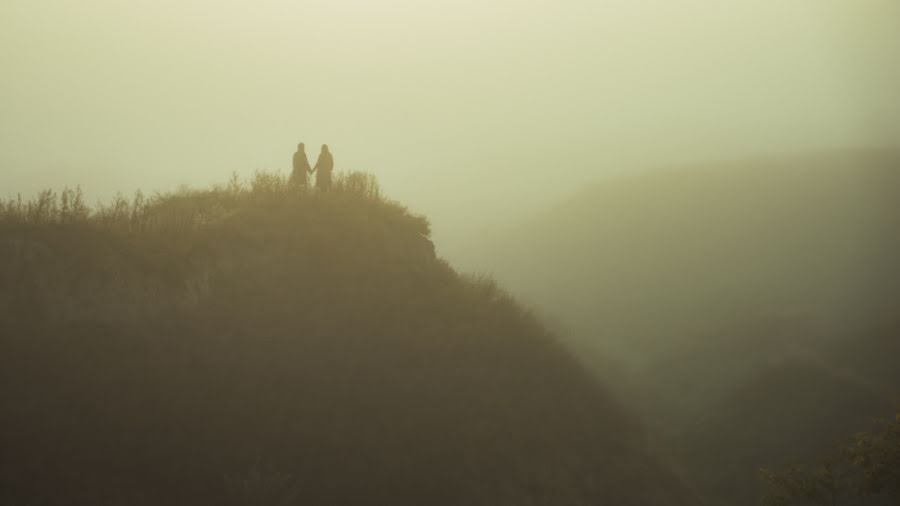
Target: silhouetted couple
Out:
[324,167]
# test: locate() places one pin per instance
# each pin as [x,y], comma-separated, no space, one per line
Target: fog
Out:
[686,213]
[470,112]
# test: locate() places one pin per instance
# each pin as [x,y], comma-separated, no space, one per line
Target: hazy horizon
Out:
[448,103]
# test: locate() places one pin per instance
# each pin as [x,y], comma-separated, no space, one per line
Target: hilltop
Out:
[258,344]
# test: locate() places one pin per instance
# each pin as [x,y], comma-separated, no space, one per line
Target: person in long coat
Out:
[324,167]
[301,167]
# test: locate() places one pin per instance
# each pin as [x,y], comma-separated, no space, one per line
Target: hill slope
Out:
[645,258]
[267,345]
[788,412]
[697,280]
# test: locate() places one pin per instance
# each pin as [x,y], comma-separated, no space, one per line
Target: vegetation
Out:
[792,411]
[261,344]
[866,470]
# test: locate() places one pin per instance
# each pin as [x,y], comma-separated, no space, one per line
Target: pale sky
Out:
[470,112]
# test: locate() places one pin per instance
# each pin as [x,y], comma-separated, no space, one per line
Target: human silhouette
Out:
[301,166]
[323,168]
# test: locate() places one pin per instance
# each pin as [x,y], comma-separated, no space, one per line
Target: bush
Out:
[866,468]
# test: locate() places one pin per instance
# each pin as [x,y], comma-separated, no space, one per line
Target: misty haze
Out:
[437,252]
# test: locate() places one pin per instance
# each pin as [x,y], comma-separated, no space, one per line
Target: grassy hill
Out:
[683,287]
[265,345]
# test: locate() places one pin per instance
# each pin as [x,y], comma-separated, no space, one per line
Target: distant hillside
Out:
[696,280]
[639,260]
[262,345]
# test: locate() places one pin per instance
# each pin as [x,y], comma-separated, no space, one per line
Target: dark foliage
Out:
[864,471]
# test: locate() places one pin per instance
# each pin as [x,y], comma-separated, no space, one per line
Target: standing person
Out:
[323,168]
[301,166]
